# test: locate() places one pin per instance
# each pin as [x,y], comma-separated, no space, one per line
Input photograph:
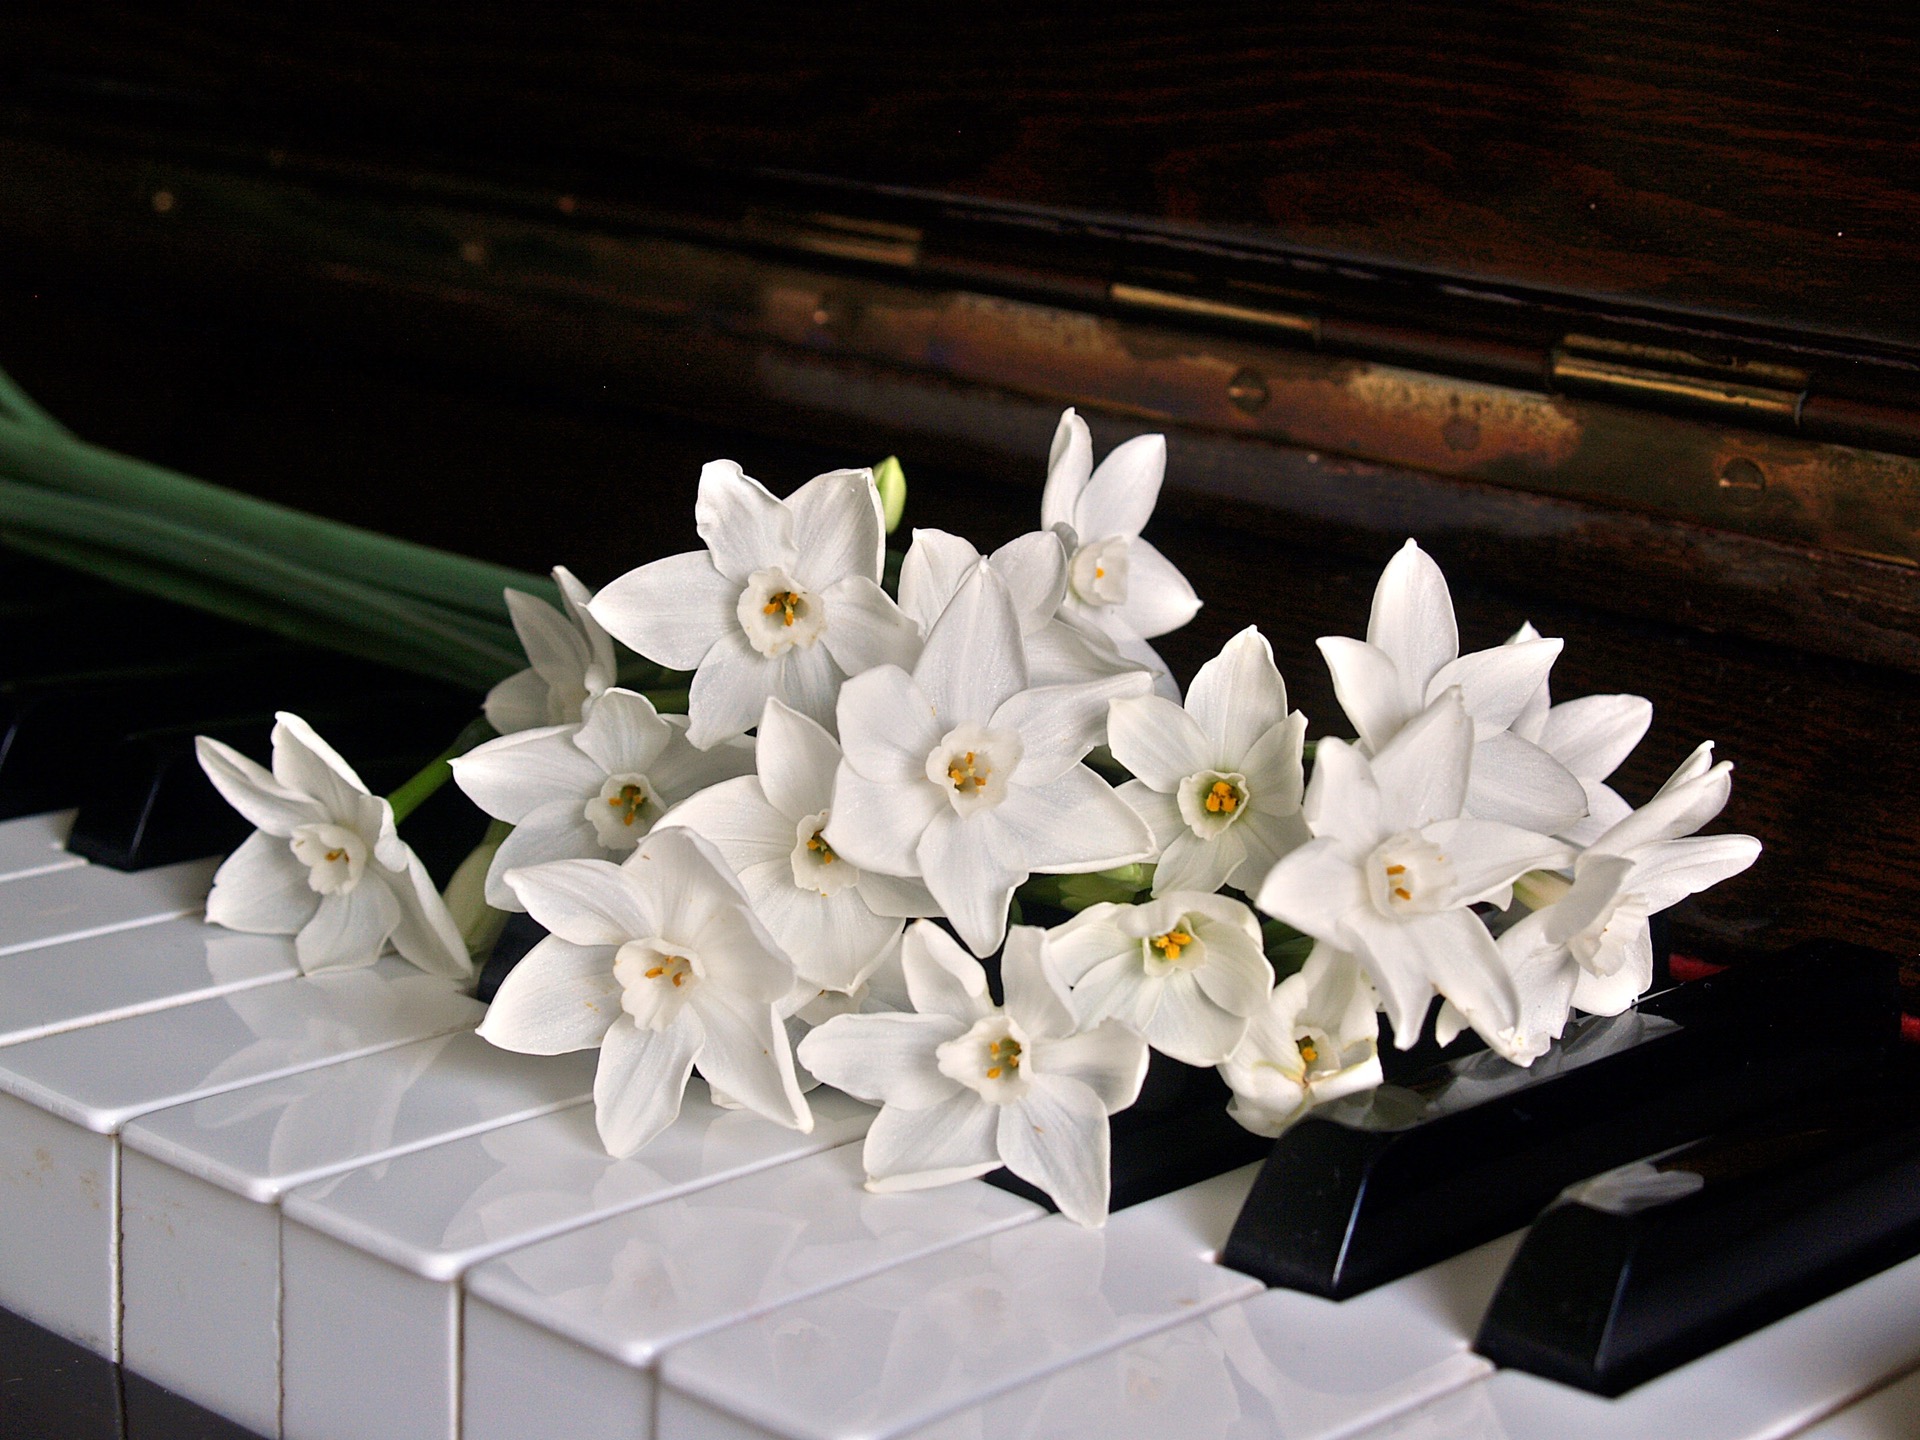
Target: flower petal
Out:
[1238,697]
[680,770]
[1069,467]
[972,867]
[1059,724]
[1412,617]
[1158,741]
[737,818]
[883,1059]
[426,935]
[918,1149]
[1424,770]
[1073,824]
[730,689]
[935,565]
[1520,784]
[672,610]
[745,528]
[1369,687]
[517,703]
[558,830]
[1122,490]
[1034,566]
[556,651]
[1668,873]
[601,662]
[1677,810]
[896,896]
[641,1079]
[973,661]
[1055,1137]
[878,825]
[1313,889]
[1191,862]
[1610,994]
[887,726]
[513,776]
[1109,1059]
[1397,969]
[623,732]
[865,628]
[1342,801]
[1592,735]
[747,1054]
[1160,811]
[1159,597]
[1191,1028]
[942,979]
[1454,952]
[1036,997]
[349,929]
[834,940]
[303,761]
[1487,857]
[808,681]
[262,888]
[589,902]
[838,529]
[560,997]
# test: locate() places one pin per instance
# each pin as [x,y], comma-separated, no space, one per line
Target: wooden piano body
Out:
[1618,313]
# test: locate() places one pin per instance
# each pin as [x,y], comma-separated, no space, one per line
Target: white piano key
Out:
[1282,1365]
[1887,1414]
[200,1223]
[571,1326]
[35,844]
[84,900]
[372,1259]
[64,1099]
[110,977]
[898,1350]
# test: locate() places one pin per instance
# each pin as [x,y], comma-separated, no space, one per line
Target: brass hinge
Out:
[1169,302]
[872,242]
[1587,364]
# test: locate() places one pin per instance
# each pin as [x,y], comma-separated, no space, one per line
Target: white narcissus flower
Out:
[1591,949]
[661,963]
[1591,736]
[1314,1040]
[835,920]
[589,791]
[1219,782]
[962,776]
[570,657]
[1392,868]
[966,1086]
[785,601]
[1116,581]
[1186,970]
[1412,654]
[326,864]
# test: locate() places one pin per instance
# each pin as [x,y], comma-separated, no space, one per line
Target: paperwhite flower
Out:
[1591,736]
[966,1086]
[589,791]
[835,920]
[570,656]
[661,963]
[1591,949]
[1061,649]
[1218,782]
[963,776]
[1412,654]
[784,602]
[1186,970]
[1314,1040]
[1392,868]
[325,865]
[1115,580]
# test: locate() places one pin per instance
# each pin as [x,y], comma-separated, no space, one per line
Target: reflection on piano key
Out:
[36,843]
[200,1233]
[629,1287]
[70,904]
[67,1096]
[1282,1365]
[898,1350]
[372,1259]
[110,977]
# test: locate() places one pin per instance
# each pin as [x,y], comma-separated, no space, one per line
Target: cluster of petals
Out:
[1314,1040]
[591,790]
[784,602]
[570,660]
[325,864]
[1218,782]
[1590,737]
[966,1086]
[965,776]
[662,964]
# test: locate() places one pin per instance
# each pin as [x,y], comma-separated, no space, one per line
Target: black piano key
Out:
[1648,1266]
[519,935]
[52,1387]
[1379,1186]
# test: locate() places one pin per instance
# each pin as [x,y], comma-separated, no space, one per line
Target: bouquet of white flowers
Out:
[797,881]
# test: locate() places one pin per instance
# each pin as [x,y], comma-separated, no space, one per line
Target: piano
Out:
[1618,313]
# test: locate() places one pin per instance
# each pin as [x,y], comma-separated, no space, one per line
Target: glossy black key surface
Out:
[1645,1267]
[1377,1187]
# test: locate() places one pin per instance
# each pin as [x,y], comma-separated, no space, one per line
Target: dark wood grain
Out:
[1758,161]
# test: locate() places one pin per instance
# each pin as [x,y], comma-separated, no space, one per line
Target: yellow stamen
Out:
[1172,943]
[968,778]
[656,972]
[634,797]
[1309,1052]
[1099,572]
[821,848]
[335,855]
[1403,892]
[1005,1055]
[783,600]
[1396,869]
[1222,799]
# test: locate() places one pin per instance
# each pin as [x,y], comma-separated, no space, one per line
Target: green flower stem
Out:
[20,406]
[1122,886]
[437,771]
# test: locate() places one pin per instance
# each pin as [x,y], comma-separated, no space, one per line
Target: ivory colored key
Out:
[130,972]
[1887,1414]
[200,1187]
[34,844]
[84,900]
[1283,1364]
[897,1351]
[572,1326]
[372,1259]
[65,1098]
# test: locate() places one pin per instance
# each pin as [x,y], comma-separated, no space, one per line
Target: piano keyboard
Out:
[323,1208]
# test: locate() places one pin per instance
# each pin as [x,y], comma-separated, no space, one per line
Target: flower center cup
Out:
[1098,571]
[815,866]
[624,810]
[1319,1053]
[1408,875]
[334,857]
[1174,951]
[1211,800]
[989,1059]
[777,613]
[656,979]
[971,765]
